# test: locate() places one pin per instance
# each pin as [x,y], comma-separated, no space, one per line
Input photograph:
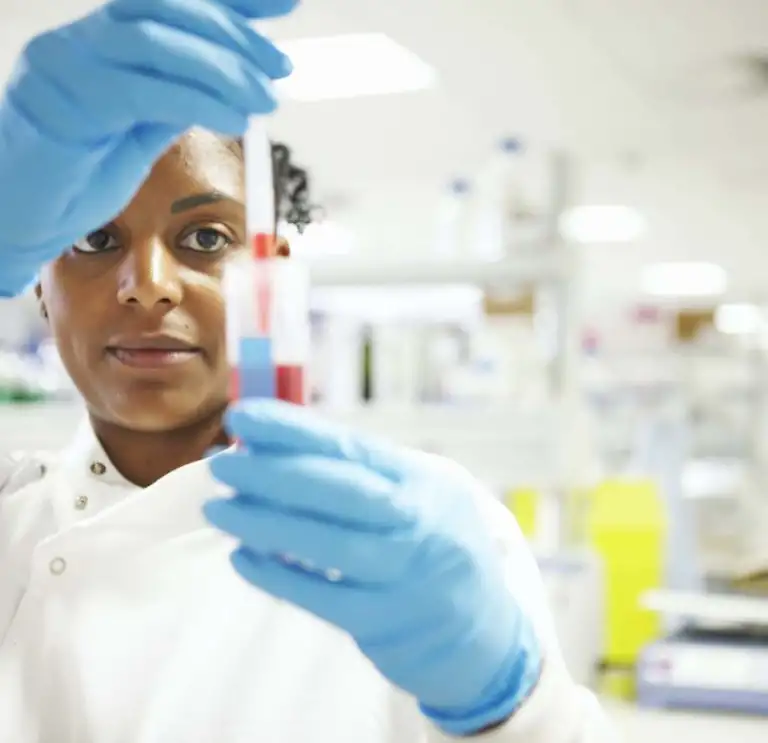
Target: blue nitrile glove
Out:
[387,545]
[92,105]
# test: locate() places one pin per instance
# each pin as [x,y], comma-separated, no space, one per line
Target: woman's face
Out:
[136,307]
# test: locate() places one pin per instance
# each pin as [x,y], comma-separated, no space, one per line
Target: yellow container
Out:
[626,526]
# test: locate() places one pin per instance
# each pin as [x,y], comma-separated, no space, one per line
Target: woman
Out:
[348,591]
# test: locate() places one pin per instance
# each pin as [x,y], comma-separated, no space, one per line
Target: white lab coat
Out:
[122,621]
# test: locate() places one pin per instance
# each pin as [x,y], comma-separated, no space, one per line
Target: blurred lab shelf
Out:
[637,725]
[540,266]
[709,609]
[519,422]
[506,446]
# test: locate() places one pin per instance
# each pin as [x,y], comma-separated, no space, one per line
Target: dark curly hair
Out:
[290,184]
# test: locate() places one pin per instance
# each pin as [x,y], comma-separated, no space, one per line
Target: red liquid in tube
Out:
[290,383]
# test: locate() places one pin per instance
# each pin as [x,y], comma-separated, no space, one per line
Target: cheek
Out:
[71,328]
[71,318]
[204,302]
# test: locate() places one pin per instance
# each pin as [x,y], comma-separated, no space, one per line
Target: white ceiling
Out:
[654,82]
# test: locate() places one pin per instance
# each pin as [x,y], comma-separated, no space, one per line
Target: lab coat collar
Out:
[85,458]
[169,507]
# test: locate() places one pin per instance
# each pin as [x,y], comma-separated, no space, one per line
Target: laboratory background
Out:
[538,245]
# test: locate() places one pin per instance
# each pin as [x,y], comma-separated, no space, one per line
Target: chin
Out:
[159,413]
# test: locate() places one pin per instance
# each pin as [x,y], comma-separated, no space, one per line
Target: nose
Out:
[149,277]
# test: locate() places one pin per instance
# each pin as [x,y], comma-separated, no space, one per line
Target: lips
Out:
[152,351]
[151,358]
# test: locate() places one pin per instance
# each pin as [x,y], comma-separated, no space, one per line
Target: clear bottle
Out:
[452,238]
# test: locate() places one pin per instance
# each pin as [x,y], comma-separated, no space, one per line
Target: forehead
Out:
[199,162]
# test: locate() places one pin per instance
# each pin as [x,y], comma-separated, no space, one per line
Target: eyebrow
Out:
[192,202]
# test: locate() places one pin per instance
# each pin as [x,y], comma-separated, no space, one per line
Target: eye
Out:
[97,242]
[206,240]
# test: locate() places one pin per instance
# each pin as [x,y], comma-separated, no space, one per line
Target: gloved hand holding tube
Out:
[91,106]
[388,545]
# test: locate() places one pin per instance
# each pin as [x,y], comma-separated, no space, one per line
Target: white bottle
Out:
[504,217]
[338,362]
[395,363]
[452,238]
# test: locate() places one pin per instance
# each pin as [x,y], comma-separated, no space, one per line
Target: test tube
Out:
[267,305]
[290,329]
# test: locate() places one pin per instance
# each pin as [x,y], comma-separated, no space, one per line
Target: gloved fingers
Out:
[174,55]
[359,555]
[274,424]
[262,9]
[347,606]
[115,99]
[253,9]
[126,167]
[175,104]
[341,492]
[47,105]
[211,21]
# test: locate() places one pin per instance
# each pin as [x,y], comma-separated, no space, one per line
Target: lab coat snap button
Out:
[57,566]
[81,502]
[98,468]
